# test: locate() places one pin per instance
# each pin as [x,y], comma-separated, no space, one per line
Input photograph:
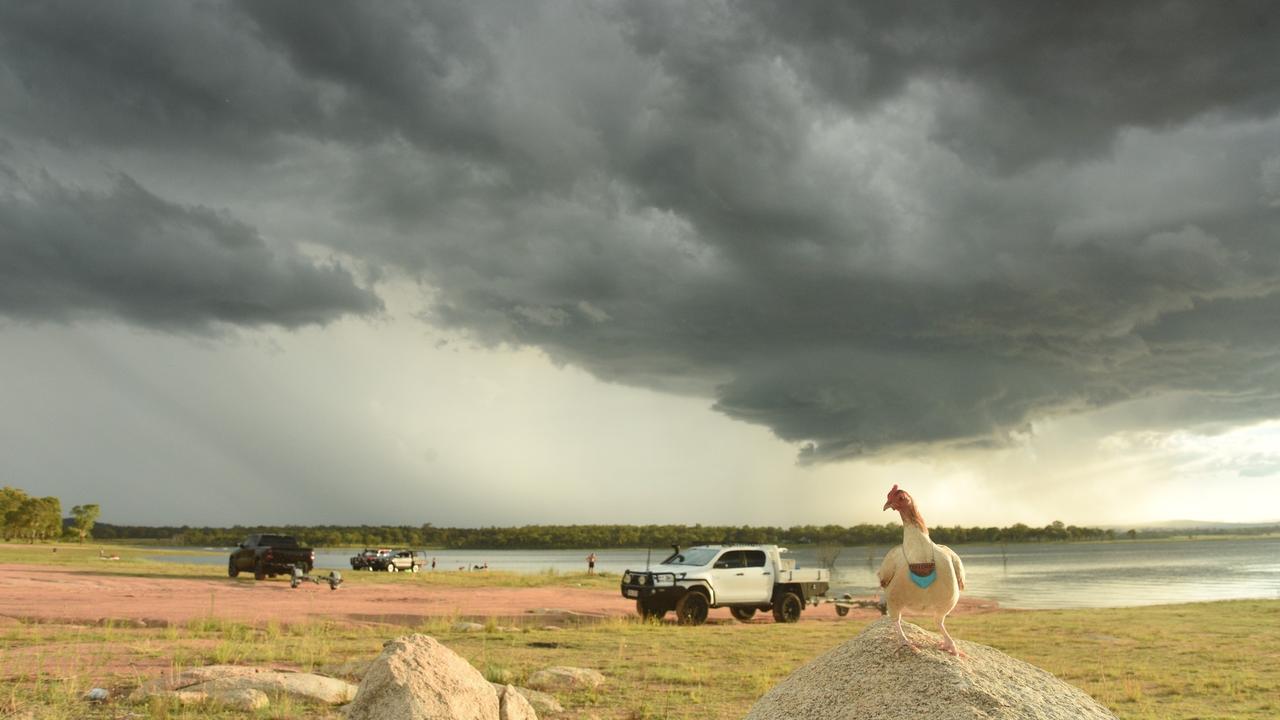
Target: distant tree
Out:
[85,516]
[11,500]
[1133,534]
[48,518]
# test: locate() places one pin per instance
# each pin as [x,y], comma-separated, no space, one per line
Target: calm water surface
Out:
[1034,575]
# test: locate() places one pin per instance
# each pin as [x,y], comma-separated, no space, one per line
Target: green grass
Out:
[1205,661]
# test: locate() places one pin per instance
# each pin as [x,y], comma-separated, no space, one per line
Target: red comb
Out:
[894,490]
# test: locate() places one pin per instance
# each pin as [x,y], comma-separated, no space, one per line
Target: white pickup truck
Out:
[743,578]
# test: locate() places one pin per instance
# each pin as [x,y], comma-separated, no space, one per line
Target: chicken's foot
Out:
[948,643]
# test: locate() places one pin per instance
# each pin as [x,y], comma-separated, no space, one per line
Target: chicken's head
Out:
[898,500]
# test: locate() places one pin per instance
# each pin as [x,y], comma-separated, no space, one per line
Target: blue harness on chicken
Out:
[922,574]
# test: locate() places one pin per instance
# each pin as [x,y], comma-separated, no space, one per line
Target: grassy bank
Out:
[1211,660]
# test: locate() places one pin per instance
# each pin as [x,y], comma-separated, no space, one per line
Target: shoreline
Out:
[79,595]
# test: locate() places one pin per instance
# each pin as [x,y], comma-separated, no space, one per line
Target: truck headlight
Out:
[626,577]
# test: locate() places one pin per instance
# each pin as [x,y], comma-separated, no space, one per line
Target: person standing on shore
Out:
[591,564]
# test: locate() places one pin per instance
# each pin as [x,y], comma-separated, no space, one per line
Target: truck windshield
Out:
[692,556]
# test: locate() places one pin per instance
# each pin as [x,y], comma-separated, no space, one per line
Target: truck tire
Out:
[259,571]
[650,612]
[691,608]
[391,567]
[232,570]
[742,614]
[787,609]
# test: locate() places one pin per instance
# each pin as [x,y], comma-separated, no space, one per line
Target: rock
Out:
[187,697]
[510,629]
[97,695]
[871,677]
[553,628]
[513,706]
[417,678]
[306,686]
[194,676]
[543,703]
[244,699]
[464,626]
[565,678]
[200,683]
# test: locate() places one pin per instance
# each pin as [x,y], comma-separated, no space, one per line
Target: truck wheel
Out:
[232,570]
[650,612]
[391,568]
[415,568]
[743,614]
[259,571]
[787,609]
[691,608]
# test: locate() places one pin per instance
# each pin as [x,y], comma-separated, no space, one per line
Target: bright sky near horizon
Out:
[735,263]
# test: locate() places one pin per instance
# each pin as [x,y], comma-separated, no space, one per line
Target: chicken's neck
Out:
[915,539]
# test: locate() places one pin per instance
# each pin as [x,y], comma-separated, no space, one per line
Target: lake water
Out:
[1032,575]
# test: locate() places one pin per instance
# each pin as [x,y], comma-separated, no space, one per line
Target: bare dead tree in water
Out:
[827,554]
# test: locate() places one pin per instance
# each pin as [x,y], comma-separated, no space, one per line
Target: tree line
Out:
[552,537]
[23,517]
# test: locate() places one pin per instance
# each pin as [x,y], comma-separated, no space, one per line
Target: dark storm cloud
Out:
[865,226]
[1052,78]
[67,253]
[187,77]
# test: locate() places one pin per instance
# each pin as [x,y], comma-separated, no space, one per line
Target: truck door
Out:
[758,579]
[728,575]
[244,553]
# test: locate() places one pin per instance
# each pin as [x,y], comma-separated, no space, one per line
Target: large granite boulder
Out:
[871,678]
[417,678]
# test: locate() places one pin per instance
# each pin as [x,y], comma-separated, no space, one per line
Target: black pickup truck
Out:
[270,555]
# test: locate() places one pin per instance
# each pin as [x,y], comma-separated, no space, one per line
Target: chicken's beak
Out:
[887,506]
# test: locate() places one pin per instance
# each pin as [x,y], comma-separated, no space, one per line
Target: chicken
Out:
[919,576]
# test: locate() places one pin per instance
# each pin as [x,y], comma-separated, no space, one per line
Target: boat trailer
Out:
[299,576]
[847,602]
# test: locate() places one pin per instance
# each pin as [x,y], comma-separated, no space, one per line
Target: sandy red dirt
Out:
[77,595]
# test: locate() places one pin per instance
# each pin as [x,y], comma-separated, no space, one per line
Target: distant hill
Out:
[1198,525]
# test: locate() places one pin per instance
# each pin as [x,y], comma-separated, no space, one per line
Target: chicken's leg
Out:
[902,636]
[948,644]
